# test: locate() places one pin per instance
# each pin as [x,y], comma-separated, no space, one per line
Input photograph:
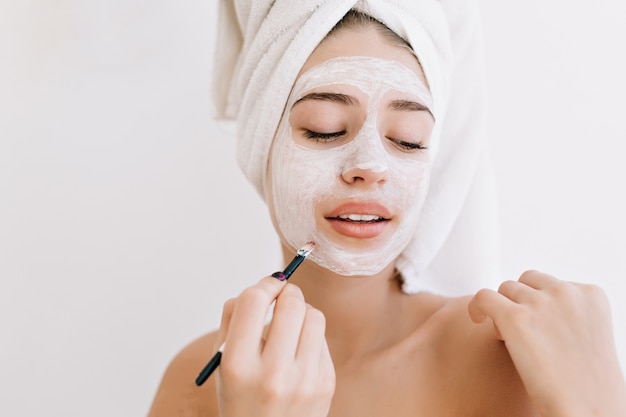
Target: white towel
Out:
[261,46]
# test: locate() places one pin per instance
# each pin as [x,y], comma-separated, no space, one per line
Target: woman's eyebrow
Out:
[407,105]
[332,97]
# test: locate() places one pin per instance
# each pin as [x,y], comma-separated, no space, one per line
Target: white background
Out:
[124,222]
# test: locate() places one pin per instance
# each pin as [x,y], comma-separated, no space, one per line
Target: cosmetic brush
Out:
[301,255]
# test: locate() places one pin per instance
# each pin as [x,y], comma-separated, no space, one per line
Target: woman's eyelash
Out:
[324,137]
[319,136]
[409,145]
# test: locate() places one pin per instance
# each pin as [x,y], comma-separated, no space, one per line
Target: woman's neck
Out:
[363,314]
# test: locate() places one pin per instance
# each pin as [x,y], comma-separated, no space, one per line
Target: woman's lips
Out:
[362,220]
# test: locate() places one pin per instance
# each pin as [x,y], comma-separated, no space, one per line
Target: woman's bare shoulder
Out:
[178,395]
[483,363]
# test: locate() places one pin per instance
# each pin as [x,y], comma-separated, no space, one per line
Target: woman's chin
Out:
[350,262]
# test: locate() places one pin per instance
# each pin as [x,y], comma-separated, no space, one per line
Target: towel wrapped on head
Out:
[261,47]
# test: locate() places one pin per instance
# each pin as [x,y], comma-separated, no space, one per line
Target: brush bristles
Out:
[306,249]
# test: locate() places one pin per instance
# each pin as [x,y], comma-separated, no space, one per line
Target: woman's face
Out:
[349,168]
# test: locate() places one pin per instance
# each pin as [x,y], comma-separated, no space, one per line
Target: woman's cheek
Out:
[415,183]
[300,178]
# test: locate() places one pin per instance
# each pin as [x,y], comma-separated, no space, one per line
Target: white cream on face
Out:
[304,179]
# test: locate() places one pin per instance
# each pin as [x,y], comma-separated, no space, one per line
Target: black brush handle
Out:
[209,368]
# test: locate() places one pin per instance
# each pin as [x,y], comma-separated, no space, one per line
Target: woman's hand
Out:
[284,371]
[560,337]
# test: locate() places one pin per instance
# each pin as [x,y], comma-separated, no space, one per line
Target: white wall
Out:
[557,90]
[124,222]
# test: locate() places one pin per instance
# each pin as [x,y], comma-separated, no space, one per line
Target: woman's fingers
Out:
[538,280]
[296,335]
[488,303]
[528,286]
[527,290]
[284,330]
[517,291]
[285,367]
[312,337]
[245,329]
[562,329]
[505,307]
[227,313]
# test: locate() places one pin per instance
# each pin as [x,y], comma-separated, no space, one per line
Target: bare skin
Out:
[358,346]
[447,366]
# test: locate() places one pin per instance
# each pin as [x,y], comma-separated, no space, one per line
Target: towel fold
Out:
[261,47]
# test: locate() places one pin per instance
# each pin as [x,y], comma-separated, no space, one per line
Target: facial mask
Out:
[306,183]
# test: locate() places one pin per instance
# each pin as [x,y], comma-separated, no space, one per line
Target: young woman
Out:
[351,167]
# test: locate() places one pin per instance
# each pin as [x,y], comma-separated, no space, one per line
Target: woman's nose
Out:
[364,175]
[368,166]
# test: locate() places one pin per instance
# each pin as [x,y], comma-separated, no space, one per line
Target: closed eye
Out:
[408,146]
[322,136]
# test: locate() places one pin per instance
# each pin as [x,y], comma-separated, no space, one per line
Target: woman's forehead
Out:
[369,74]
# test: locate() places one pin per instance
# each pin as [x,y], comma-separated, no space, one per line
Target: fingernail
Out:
[279,276]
